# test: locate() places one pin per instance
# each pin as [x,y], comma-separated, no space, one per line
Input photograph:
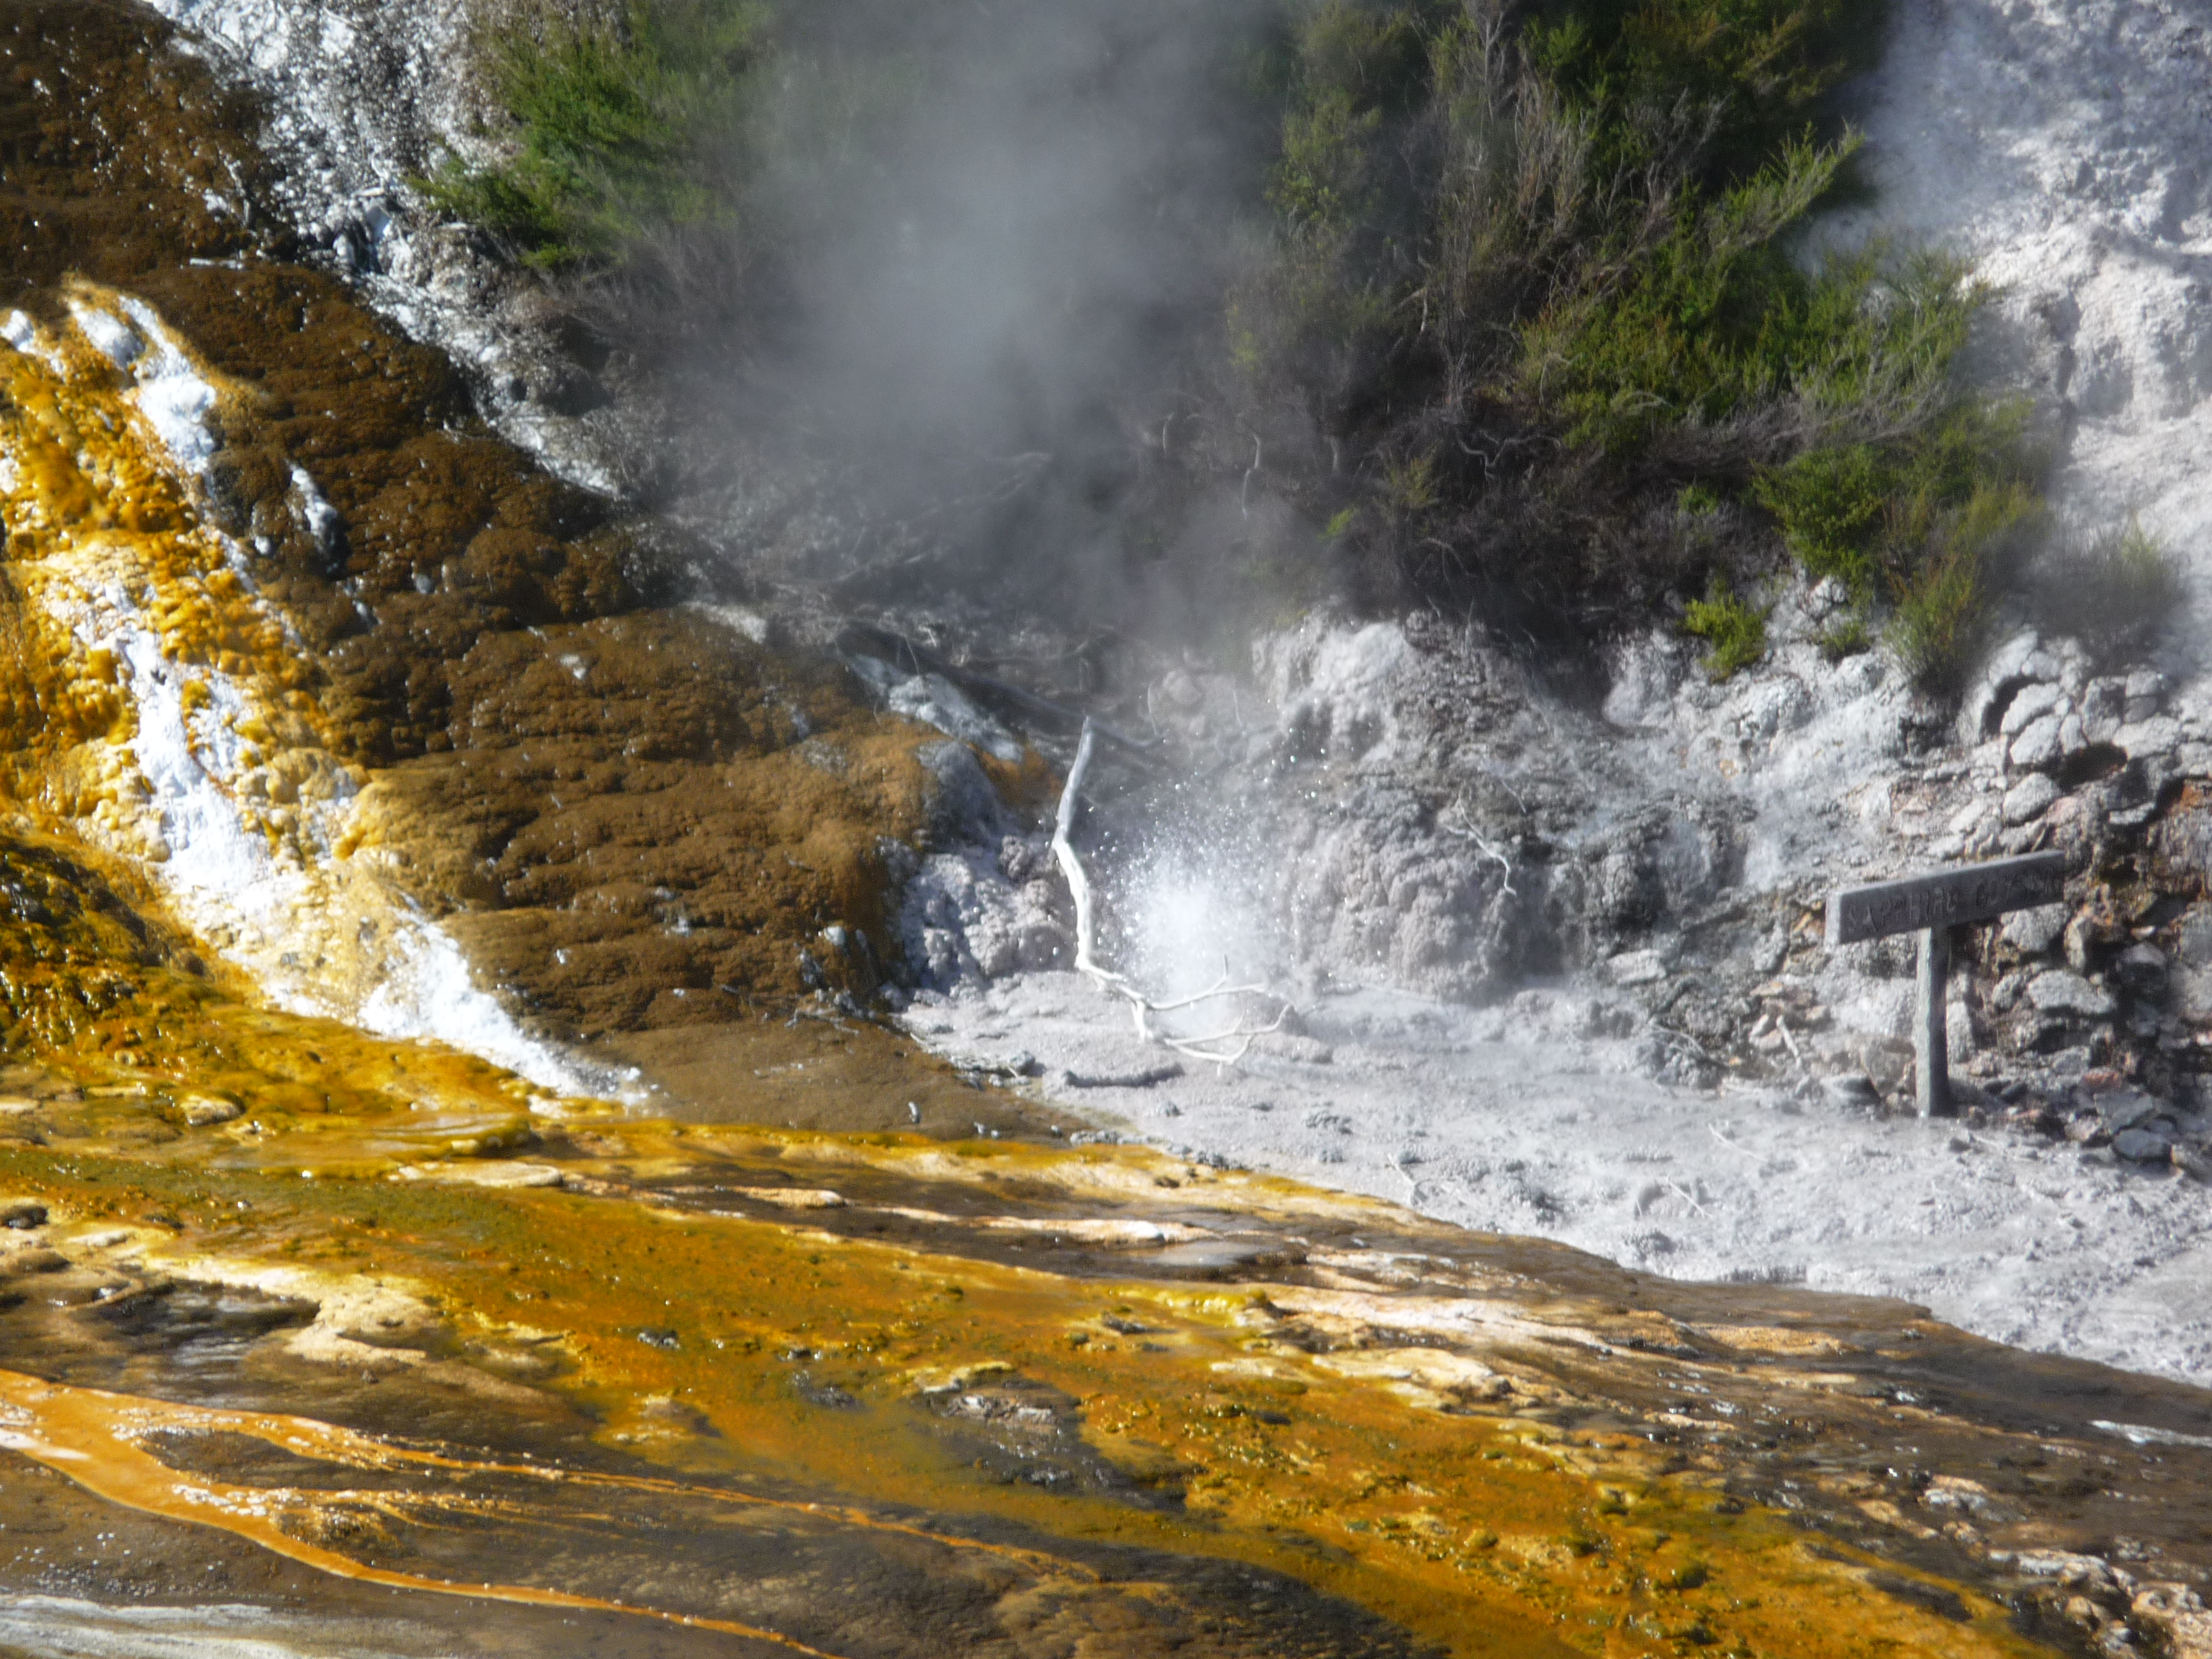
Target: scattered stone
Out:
[2037,746]
[2029,705]
[2088,1130]
[2029,799]
[2033,932]
[202,1110]
[496,1173]
[23,1214]
[1290,1045]
[1636,967]
[1144,1079]
[2177,1613]
[792,1198]
[2142,1146]
[2104,709]
[2196,933]
[2190,1161]
[2059,991]
[2159,735]
[2146,690]
[2126,1108]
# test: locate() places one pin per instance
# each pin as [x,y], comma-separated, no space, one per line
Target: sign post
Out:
[1932,904]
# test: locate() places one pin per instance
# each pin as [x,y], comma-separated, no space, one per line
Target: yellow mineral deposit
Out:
[1383,1445]
[1015,1357]
[161,710]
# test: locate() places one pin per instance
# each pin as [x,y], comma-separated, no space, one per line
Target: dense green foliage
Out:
[627,126]
[1524,277]
[1539,268]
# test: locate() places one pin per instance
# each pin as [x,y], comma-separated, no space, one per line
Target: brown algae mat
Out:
[303,1324]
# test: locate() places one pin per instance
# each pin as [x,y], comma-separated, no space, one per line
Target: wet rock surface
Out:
[379,1317]
[652,818]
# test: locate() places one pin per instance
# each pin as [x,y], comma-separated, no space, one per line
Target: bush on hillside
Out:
[1543,263]
[629,123]
[1525,274]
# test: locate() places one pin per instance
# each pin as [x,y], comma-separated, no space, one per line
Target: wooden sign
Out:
[1932,905]
[1944,898]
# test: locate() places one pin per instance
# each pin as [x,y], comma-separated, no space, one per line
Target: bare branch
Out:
[1223,1047]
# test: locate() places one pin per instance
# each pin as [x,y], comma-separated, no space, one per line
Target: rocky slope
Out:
[311,679]
[1406,805]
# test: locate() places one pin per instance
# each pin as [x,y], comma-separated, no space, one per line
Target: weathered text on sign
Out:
[1972,892]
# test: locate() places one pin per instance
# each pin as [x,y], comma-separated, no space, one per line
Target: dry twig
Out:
[1223,1048]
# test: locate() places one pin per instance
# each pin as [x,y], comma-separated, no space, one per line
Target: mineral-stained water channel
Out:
[340,1313]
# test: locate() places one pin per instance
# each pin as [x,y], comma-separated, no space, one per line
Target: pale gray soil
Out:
[1508,1119]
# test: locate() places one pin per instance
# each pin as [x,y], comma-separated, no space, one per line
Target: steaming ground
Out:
[1513,1119]
[2059,144]
[2057,141]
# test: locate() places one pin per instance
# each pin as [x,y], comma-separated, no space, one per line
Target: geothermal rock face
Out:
[353,749]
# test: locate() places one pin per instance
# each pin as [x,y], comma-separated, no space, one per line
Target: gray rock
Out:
[2145,691]
[2104,709]
[2029,705]
[2037,746]
[2000,678]
[23,1214]
[2008,660]
[2196,937]
[964,806]
[1636,967]
[2192,993]
[2126,1108]
[2142,1146]
[2031,798]
[2159,735]
[1852,1089]
[201,1111]
[2035,931]
[2071,737]
[2059,992]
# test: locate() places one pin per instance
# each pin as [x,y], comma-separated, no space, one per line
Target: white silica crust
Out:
[67,1627]
[1517,1119]
[362,98]
[2060,145]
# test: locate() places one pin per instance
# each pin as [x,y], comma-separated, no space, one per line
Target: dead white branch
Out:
[1465,830]
[1225,1047]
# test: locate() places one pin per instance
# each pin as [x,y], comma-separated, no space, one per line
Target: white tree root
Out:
[1223,1047]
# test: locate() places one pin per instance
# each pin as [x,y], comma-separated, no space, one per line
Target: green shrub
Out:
[625,127]
[1522,304]
[1737,631]
[1850,637]
[1939,617]
[2115,593]
[1561,281]
[1943,598]
[1829,503]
